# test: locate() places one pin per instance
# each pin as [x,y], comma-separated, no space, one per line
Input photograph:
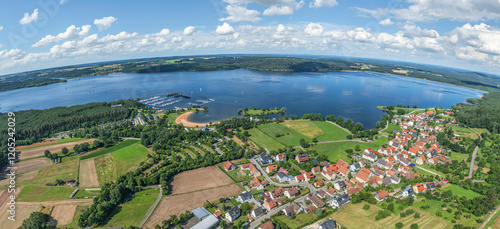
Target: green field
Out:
[191,153]
[290,137]
[330,132]
[82,193]
[44,193]
[64,171]
[391,128]
[208,148]
[428,167]
[263,140]
[435,206]
[198,150]
[336,150]
[458,156]
[132,212]
[119,146]
[457,190]
[76,217]
[261,112]
[181,155]
[128,159]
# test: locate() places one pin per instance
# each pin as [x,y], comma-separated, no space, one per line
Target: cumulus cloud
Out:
[239,13]
[482,38]
[278,10]
[71,33]
[291,3]
[104,23]
[432,10]
[28,18]
[322,3]
[313,29]
[224,29]
[386,22]
[188,31]
[1,27]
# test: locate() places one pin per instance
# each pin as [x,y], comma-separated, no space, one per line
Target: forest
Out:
[481,81]
[485,113]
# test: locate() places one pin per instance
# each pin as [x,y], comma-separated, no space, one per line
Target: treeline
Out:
[484,114]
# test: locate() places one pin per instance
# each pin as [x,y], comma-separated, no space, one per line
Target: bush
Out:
[480,220]
[406,213]
[414,226]
[416,216]
[399,225]
[366,207]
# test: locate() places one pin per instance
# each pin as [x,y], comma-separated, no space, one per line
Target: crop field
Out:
[177,204]
[132,212]
[39,151]
[22,213]
[65,170]
[366,218]
[263,140]
[64,214]
[336,150]
[88,174]
[199,179]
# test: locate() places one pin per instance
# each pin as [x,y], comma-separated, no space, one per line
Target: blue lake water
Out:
[352,95]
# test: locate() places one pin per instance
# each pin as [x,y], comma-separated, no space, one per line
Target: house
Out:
[328,224]
[321,194]
[265,159]
[244,197]
[341,162]
[308,176]
[384,164]
[431,161]
[299,178]
[411,175]
[233,214]
[330,191]
[330,175]
[408,191]
[395,179]
[257,212]
[405,162]
[420,160]
[256,183]
[340,185]
[332,168]
[316,170]
[381,195]
[316,201]
[271,168]
[375,181]
[282,177]
[301,158]
[228,166]
[276,193]
[387,181]
[245,166]
[280,157]
[318,184]
[291,192]
[370,157]
[343,170]
[341,200]
[254,171]
[293,209]
[363,176]
[270,205]
[403,169]
[419,188]
[207,219]
[355,167]
[310,210]
[267,225]
[430,186]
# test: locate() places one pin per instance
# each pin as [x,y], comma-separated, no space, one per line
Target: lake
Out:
[353,95]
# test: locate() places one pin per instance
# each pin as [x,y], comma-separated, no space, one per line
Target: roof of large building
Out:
[201,213]
[207,222]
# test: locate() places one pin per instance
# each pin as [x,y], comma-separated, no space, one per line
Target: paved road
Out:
[151,210]
[346,130]
[471,169]
[380,131]
[131,139]
[489,218]
[427,170]
[259,220]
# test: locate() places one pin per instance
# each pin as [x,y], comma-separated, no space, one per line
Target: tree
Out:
[366,207]
[46,153]
[223,224]
[98,144]
[399,225]
[64,151]
[357,148]
[414,226]
[390,207]
[315,140]
[416,216]
[37,220]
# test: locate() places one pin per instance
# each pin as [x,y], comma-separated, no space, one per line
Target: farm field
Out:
[47,143]
[119,146]
[263,140]
[199,179]
[65,170]
[335,151]
[88,174]
[22,213]
[132,212]
[39,151]
[76,216]
[64,214]
[44,193]
[289,137]
[177,204]
[307,128]
[366,218]
[34,164]
[330,132]
[457,190]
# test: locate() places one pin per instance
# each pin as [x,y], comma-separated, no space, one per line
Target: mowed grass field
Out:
[44,193]
[353,216]
[336,150]
[457,190]
[132,212]
[294,130]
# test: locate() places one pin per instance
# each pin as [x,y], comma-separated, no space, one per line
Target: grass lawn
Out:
[191,153]
[428,167]
[461,129]
[119,162]
[457,190]
[198,150]
[290,137]
[44,193]
[300,219]
[307,128]
[261,112]
[459,156]
[67,140]
[209,148]
[335,150]
[64,171]
[330,132]
[82,193]
[119,146]
[181,155]
[132,212]
[435,206]
[263,140]
[391,128]
[366,218]
[77,215]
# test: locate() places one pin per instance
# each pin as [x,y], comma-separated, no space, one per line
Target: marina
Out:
[162,101]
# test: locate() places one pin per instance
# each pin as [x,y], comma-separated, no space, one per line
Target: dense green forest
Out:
[483,113]
[482,81]
[33,125]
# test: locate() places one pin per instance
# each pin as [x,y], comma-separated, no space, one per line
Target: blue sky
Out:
[49,33]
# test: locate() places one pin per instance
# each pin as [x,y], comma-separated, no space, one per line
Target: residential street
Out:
[259,220]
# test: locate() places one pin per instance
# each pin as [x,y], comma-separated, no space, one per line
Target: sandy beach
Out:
[183,119]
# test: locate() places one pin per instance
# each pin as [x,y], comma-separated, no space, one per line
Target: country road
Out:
[489,218]
[152,209]
[471,169]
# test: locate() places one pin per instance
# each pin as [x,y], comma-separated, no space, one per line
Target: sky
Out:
[50,33]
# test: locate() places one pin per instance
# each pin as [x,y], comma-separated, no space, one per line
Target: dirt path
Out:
[59,202]
[88,174]
[36,144]
[64,214]
[37,152]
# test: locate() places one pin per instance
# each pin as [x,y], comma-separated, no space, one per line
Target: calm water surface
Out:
[352,95]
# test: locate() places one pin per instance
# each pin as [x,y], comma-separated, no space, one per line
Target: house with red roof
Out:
[341,162]
[343,170]
[316,170]
[419,188]
[362,176]
[271,168]
[228,166]
[330,175]
[299,178]
[280,157]
[432,160]
[381,195]
[301,158]
[308,176]
[270,205]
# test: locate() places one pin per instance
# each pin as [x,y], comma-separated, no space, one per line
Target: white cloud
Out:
[177,39]
[322,3]
[1,27]
[386,22]
[104,23]
[291,3]
[483,38]
[224,29]
[62,2]
[28,18]
[313,29]
[14,54]
[71,33]
[432,10]
[188,31]
[278,10]
[239,13]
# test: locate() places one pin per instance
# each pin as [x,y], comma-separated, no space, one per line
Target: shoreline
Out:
[183,119]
